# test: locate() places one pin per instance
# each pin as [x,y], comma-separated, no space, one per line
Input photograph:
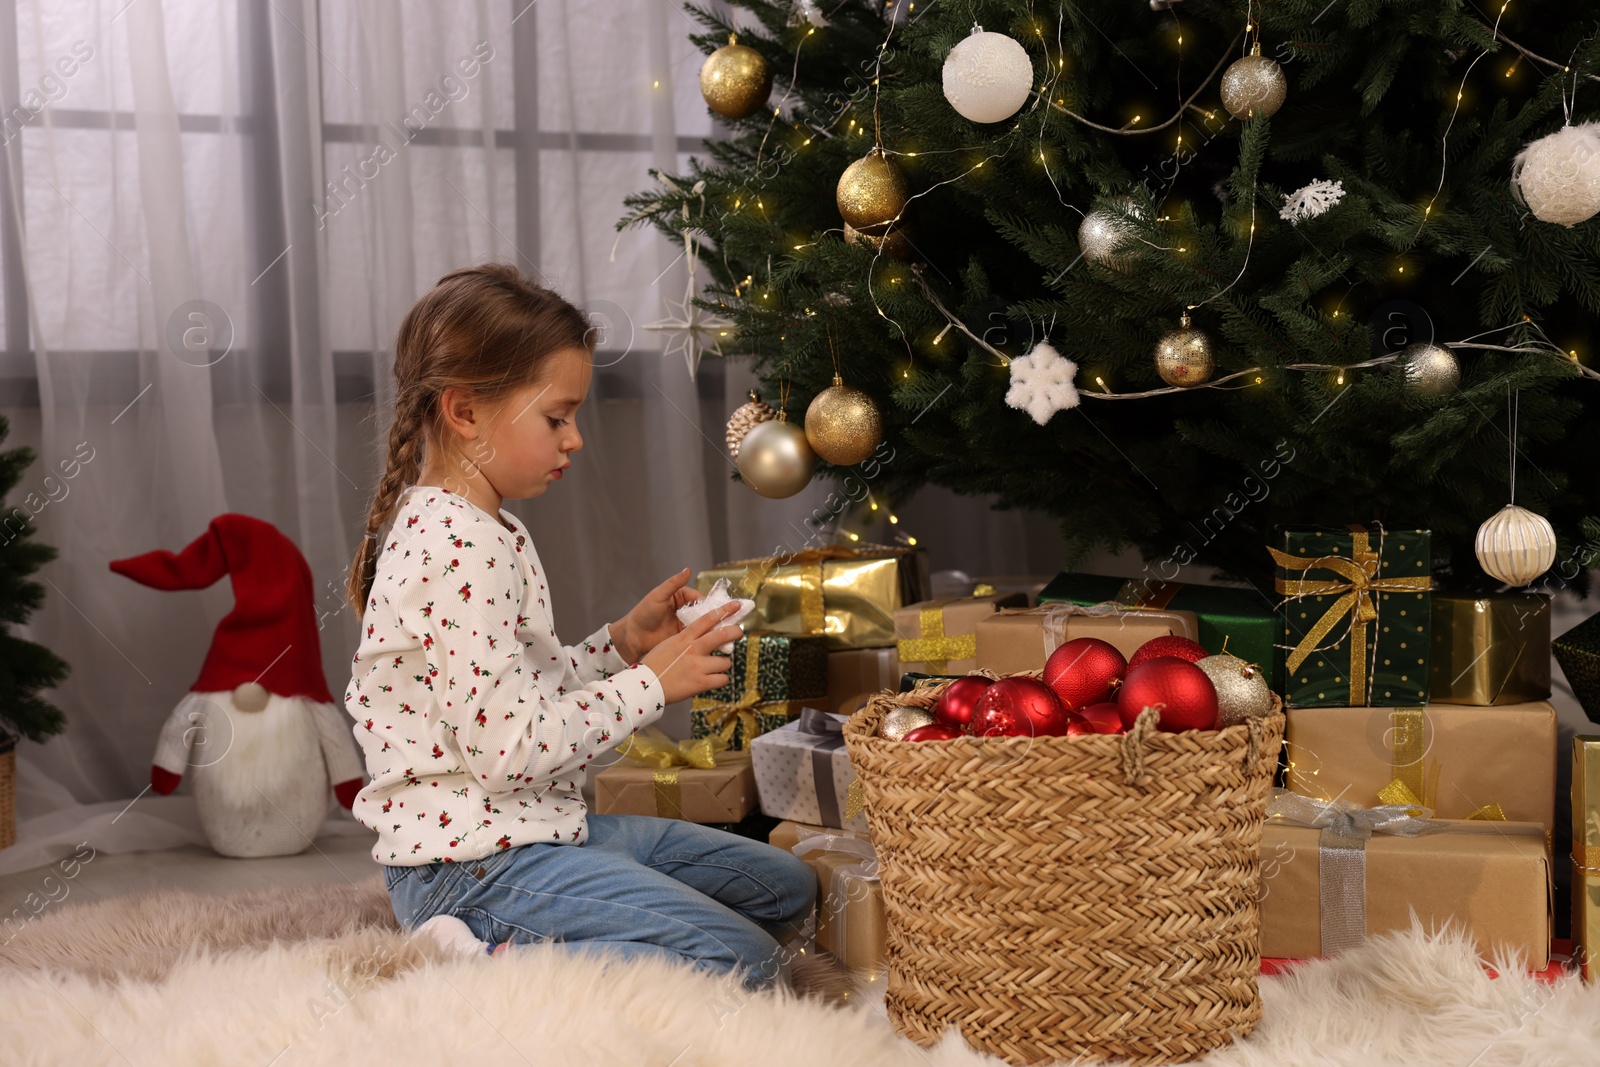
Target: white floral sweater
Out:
[475,721]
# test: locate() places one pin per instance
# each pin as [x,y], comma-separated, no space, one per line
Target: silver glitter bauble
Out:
[1242,692]
[775,459]
[901,721]
[1183,356]
[1254,86]
[1429,370]
[1102,236]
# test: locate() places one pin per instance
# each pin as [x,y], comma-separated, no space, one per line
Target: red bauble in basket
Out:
[959,698]
[934,731]
[1177,647]
[1083,671]
[1105,718]
[1183,693]
[1019,707]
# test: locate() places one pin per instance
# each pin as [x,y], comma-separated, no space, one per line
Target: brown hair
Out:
[488,330]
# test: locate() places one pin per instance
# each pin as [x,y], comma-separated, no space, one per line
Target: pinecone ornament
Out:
[746,419]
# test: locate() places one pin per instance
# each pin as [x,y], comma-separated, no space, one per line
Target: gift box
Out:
[803,773]
[1325,888]
[789,833]
[1021,639]
[856,673]
[1578,652]
[1490,650]
[850,917]
[722,793]
[847,595]
[1356,615]
[770,676]
[1242,619]
[1586,853]
[1461,762]
[940,636]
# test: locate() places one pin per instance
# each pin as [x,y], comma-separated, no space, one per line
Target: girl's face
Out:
[531,433]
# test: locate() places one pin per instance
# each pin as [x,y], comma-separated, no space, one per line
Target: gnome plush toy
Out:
[258,729]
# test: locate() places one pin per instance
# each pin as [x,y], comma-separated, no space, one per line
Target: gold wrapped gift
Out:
[848,595]
[1490,650]
[1586,853]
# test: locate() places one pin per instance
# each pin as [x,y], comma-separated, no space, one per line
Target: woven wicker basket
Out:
[1064,897]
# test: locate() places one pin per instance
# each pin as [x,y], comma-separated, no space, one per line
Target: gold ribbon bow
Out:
[725,718]
[655,749]
[1413,786]
[1358,599]
[934,649]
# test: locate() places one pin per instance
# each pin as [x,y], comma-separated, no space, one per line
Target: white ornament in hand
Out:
[1041,383]
[717,598]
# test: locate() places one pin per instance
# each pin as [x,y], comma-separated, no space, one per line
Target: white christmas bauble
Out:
[1515,545]
[987,77]
[1558,176]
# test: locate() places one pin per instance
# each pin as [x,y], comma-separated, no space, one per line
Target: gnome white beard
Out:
[259,781]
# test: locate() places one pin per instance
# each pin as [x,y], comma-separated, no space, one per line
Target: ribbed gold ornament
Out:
[872,193]
[843,424]
[735,80]
[775,459]
[1183,356]
[1254,86]
[745,419]
[1242,692]
[1515,545]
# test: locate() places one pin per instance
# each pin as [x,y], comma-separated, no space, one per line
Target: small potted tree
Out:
[25,666]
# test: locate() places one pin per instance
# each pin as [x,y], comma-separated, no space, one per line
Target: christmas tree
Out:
[25,666]
[1323,187]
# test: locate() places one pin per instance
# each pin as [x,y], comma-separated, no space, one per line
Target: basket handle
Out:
[1133,742]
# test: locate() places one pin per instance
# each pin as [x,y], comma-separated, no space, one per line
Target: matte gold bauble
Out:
[735,80]
[746,419]
[1183,356]
[843,424]
[775,459]
[1242,692]
[872,193]
[901,721]
[1254,86]
[1515,545]
[1429,370]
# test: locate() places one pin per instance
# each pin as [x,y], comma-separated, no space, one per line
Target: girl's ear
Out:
[458,409]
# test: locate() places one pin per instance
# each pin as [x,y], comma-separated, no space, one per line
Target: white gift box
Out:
[803,773]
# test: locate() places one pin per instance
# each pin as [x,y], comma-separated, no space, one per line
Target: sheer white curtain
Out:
[295,174]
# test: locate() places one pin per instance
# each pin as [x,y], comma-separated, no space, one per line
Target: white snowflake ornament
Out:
[1312,201]
[1042,383]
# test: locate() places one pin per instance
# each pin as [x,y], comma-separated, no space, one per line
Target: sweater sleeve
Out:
[462,602]
[595,658]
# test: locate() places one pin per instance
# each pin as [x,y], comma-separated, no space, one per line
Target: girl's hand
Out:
[686,663]
[653,619]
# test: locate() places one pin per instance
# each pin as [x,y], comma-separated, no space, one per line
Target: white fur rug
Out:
[321,975]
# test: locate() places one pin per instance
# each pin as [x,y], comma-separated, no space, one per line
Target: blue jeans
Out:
[639,885]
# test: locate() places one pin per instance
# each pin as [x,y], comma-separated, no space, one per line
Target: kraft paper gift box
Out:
[1490,650]
[1323,891]
[803,773]
[1586,853]
[940,636]
[720,794]
[1462,762]
[856,673]
[850,917]
[769,676]
[1021,639]
[1356,615]
[1242,619]
[847,595]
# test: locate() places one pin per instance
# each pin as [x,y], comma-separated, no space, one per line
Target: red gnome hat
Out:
[270,636]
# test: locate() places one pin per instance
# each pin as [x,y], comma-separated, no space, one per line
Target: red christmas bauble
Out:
[934,731]
[1078,726]
[958,699]
[1183,693]
[1105,718]
[1083,671]
[1019,707]
[1177,647]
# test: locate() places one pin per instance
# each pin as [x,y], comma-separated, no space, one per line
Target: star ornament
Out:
[692,329]
[1042,383]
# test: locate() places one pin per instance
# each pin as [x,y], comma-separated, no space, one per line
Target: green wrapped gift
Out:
[1356,615]
[1243,618]
[770,675]
[1578,652]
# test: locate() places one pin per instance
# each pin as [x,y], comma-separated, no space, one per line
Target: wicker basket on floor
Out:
[1062,897]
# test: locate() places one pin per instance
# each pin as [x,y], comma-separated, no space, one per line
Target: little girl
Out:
[477,724]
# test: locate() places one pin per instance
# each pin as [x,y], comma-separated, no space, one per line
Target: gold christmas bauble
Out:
[843,424]
[901,721]
[775,459]
[1253,86]
[1183,356]
[735,80]
[872,193]
[1429,370]
[896,244]
[1242,692]
[745,419]
[1515,545]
